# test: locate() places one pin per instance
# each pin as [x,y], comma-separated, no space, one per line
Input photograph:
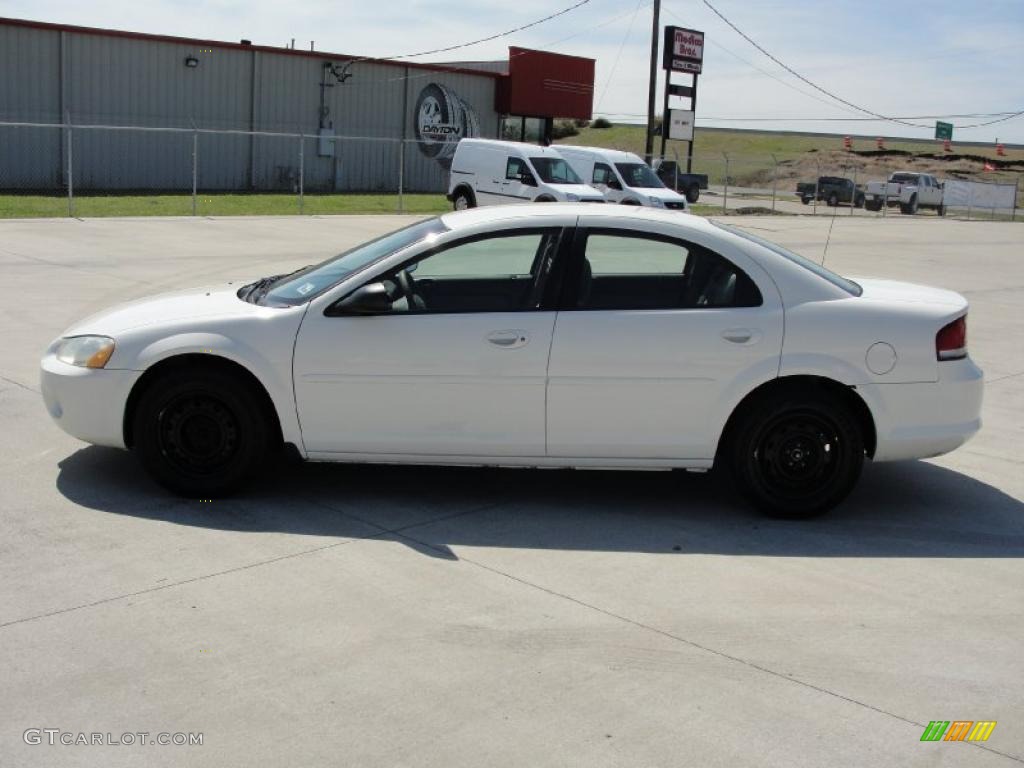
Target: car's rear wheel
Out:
[201,433]
[797,455]
[873,205]
[833,200]
[910,208]
[693,193]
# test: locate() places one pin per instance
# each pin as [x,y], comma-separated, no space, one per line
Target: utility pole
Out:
[652,91]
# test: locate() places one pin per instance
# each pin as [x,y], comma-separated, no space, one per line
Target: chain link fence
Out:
[93,170]
[834,183]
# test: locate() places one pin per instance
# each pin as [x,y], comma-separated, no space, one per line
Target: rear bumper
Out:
[86,403]
[917,421]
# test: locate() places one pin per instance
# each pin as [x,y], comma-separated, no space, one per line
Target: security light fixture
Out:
[191,62]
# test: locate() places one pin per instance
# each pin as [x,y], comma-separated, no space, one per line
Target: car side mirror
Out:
[369,299]
[613,184]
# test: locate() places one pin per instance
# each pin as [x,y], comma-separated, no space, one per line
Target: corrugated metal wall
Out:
[107,80]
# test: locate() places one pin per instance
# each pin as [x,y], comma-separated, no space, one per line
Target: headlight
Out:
[657,202]
[572,198]
[85,351]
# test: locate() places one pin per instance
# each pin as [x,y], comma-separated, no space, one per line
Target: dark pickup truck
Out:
[832,190]
[688,184]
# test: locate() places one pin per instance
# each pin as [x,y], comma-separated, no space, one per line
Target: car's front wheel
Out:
[797,455]
[201,433]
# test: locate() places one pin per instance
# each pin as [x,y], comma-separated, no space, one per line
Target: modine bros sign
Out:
[684,50]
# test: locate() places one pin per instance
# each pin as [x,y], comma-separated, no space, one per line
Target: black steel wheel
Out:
[798,456]
[201,433]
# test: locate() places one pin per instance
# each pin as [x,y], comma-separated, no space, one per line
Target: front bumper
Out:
[87,403]
[920,420]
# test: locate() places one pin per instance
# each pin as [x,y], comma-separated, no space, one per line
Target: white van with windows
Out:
[492,172]
[622,177]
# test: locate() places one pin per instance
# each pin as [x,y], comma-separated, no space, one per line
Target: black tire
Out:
[692,193]
[858,201]
[833,200]
[544,199]
[629,202]
[464,199]
[941,210]
[201,433]
[797,454]
[873,205]
[805,200]
[910,208]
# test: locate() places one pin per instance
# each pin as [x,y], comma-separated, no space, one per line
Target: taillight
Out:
[951,341]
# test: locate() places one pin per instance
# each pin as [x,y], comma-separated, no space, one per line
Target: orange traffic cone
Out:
[1000,150]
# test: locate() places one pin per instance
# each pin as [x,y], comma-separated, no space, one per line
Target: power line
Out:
[865,110]
[797,75]
[492,37]
[615,64]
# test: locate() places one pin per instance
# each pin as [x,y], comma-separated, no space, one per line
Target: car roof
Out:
[518,146]
[614,155]
[496,214]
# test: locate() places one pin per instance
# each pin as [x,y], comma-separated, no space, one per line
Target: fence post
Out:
[302,173]
[725,196]
[775,177]
[1016,189]
[817,182]
[885,194]
[853,191]
[195,164]
[401,175]
[970,201]
[71,195]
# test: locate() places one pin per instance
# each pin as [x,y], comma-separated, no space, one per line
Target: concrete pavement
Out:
[399,616]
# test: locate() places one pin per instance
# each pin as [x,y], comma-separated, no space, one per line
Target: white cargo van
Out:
[491,172]
[622,177]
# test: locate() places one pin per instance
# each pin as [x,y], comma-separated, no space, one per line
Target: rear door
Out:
[658,338]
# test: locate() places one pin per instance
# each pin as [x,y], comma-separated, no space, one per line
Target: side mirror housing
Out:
[369,299]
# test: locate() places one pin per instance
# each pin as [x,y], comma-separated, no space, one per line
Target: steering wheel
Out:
[405,282]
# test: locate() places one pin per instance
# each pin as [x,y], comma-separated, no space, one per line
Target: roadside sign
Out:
[680,124]
[683,50]
[943,130]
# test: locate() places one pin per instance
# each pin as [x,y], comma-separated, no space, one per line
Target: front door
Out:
[457,367]
[657,341]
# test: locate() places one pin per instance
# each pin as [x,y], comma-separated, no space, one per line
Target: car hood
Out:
[910,293]
[582,190]
[660,193]
[194,304]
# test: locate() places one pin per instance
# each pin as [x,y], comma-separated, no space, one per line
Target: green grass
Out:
[711,143]
[89,206]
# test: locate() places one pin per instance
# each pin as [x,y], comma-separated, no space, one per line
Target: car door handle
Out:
[508,339]
[742,335]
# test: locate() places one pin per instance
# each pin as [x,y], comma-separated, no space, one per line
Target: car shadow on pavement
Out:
[903,509]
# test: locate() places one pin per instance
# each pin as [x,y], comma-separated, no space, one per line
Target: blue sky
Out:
[895,58]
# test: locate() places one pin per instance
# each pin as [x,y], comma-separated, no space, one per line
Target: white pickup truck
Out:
[909,191]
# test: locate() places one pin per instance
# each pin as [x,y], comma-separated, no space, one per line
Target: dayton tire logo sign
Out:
[440,119]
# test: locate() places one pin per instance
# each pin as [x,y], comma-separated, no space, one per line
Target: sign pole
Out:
[689,144]
[652,91]
[665,113]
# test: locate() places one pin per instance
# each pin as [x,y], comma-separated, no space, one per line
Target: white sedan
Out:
[562,335]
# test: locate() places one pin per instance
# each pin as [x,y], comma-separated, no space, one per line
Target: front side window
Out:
[639,176]
[312,281]
[554,170]
[603,174]
[497,273]
[628,272]
[515,168]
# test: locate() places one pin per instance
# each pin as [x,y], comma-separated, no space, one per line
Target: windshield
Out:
[554,170]
[639,175]
[840,282]
[312,281]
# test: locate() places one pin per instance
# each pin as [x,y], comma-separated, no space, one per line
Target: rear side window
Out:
[631,272]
